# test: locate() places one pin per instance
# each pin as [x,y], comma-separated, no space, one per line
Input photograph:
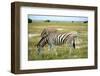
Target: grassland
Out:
[81,50]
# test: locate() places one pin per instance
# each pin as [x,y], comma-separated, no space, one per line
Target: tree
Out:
[85,22]
[29,20]
[47,21]
[72,21]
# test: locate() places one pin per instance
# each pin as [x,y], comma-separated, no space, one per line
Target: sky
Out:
[58,18]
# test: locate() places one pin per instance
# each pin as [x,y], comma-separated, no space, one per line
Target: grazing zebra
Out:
[54,39]
[47,31]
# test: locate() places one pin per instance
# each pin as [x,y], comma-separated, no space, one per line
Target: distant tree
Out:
[47,21]
[29,20]
[85,22]
[72,21]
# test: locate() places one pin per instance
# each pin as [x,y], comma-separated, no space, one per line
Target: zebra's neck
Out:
[43,42]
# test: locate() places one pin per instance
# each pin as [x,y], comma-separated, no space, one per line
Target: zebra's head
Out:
[43,41]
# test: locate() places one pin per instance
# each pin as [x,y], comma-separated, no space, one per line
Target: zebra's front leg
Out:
[49,47]
[52,48]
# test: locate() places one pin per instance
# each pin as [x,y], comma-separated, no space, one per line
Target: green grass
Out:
[62,51]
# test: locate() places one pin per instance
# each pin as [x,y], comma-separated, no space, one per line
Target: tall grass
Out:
[62,51]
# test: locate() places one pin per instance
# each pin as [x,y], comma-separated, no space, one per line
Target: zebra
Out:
[47,31]
[54,39]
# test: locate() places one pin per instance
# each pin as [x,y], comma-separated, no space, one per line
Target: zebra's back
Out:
[59,38]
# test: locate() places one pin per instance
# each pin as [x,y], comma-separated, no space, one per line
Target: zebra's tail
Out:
[74,46]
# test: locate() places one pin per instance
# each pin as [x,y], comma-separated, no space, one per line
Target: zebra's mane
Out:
[43,41]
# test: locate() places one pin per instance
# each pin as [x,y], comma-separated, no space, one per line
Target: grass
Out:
[62,51]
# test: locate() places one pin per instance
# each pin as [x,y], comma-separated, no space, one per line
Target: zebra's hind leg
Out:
[70,47]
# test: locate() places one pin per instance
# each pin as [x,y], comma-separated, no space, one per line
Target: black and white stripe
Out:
[61,38]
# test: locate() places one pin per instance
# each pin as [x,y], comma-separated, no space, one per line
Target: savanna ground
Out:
[35,28]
